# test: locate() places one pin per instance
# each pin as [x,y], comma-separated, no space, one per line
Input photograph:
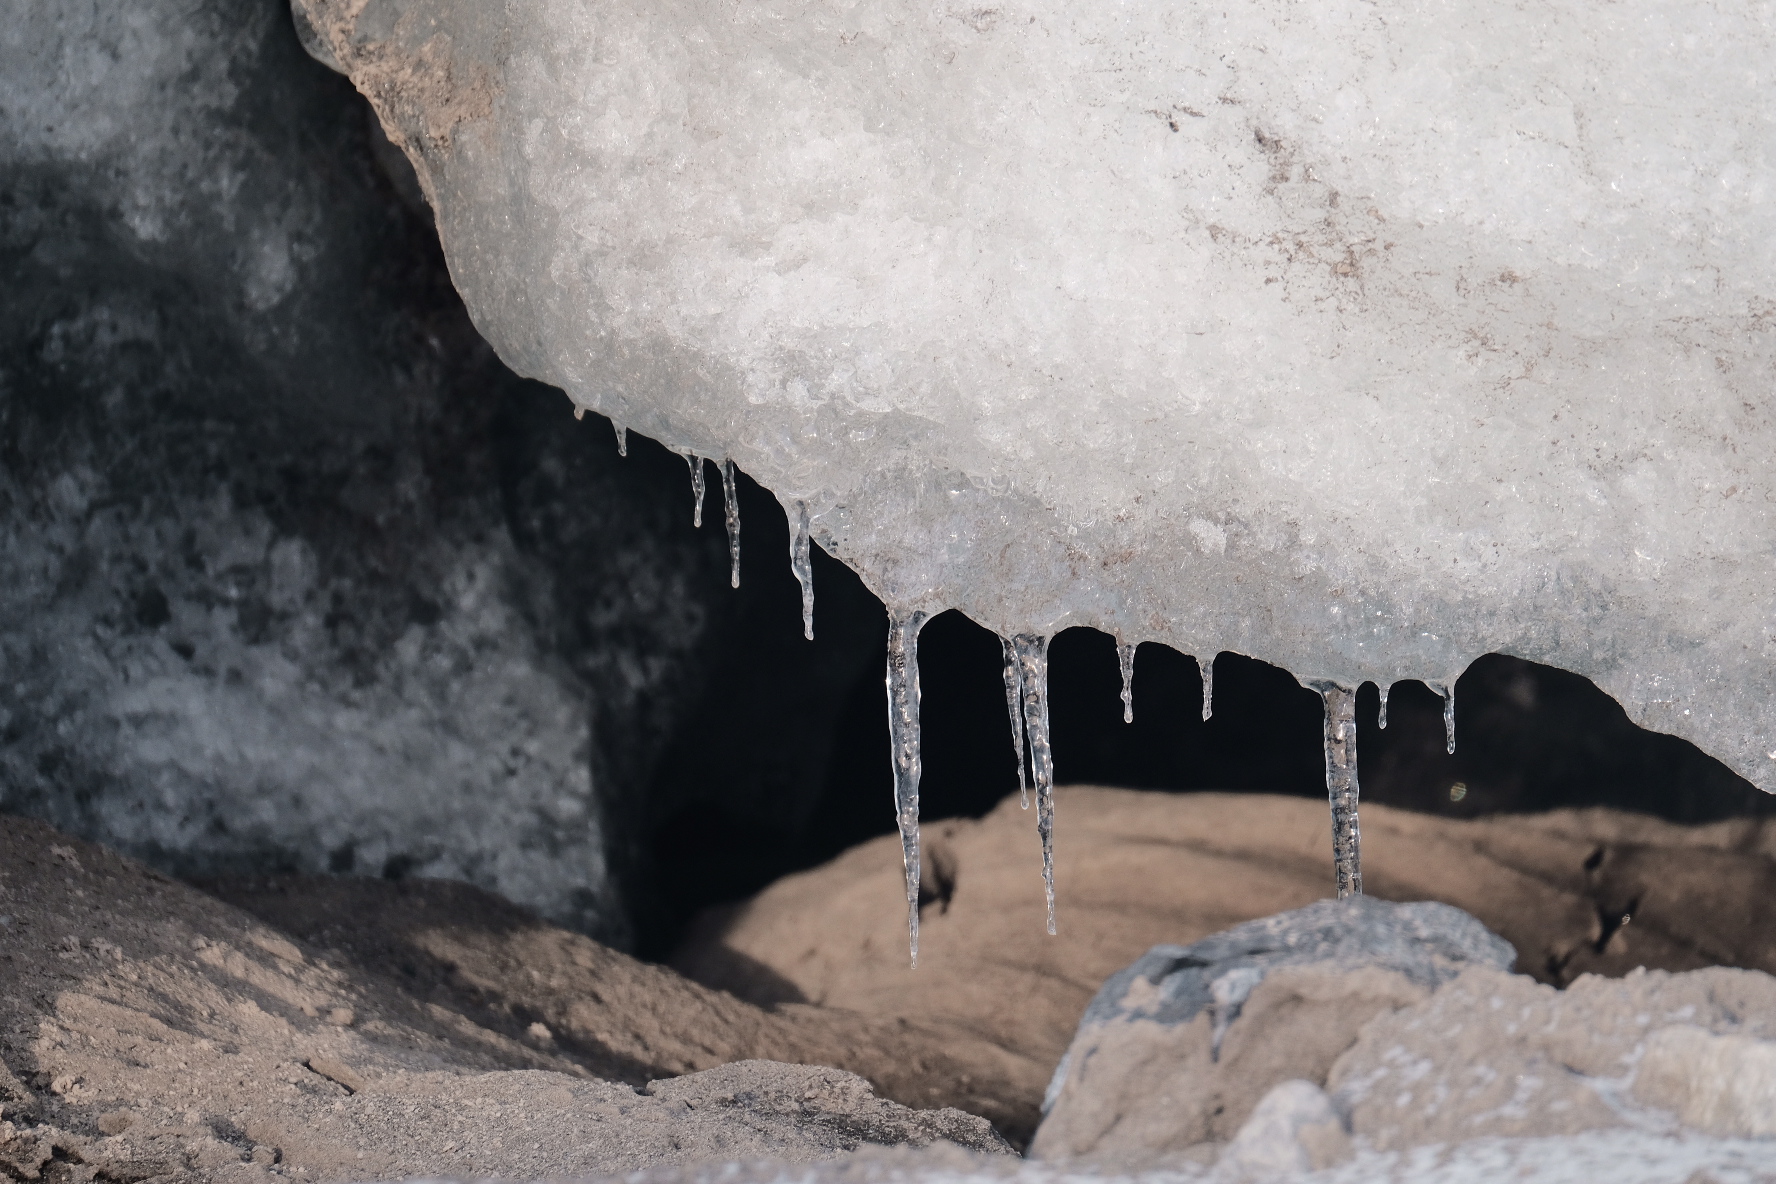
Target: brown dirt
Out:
[150,1031]
[1136,869]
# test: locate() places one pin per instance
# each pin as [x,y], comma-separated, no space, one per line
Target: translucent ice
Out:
[800,564]
[1032,652]
[1381,712]
[903,738]
[1341,784]
[1125,659]
[1206,666]
[696,463]
[1361,339]
[1014,705]
[731,513]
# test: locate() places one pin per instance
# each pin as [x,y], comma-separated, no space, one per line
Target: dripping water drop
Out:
[731,508]
[1032,652]
[903,737]
[1014,706]
[622,438]
[1381,716]
[696,463]
[804,571]
[1341,784]
[1207,668]
[1125,658]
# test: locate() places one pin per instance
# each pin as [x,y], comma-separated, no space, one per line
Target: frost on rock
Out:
[1363,342]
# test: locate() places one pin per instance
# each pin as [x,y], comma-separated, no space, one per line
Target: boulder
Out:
[1177,1049]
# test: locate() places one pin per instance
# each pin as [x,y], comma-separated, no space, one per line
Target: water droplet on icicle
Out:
[696,463]
[1125,658]
[1206,667]
[1381,716]
[1014,706]
[622,438]
[1032,652]
[903,740]
[798,563]
[1447,690]
[731,507]
[1341,784]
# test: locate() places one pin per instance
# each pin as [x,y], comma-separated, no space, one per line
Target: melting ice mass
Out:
[1362,341]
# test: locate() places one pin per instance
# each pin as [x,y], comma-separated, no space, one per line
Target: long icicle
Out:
[1206,667]
[1341,784]
[798,563]
[1014,706]
[696,463]
[903,738]
[1125,658]
[1381,716]
[1032,653]
[731,507]
[622,438]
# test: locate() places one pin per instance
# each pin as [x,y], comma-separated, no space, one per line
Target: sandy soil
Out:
[1136,869]
[149,1031]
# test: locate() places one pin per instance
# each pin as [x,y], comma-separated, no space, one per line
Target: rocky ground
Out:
[330,1029]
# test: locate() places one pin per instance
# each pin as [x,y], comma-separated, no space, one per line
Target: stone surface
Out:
[1725,1085]
[150,1030]
[1178,1048]
[294,574]
[1293,1128]
[1135,869]
[1364,345]
[1497,1055]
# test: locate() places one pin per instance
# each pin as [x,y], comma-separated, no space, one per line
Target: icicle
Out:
[1125,658]
[579,413]
[1381,717]
[804,571]
[622,438]
[1447,690]
[731,505]
[1341,784]
[1032,652]
[903,738]
[1206,666]
[1014,705]
[696,463]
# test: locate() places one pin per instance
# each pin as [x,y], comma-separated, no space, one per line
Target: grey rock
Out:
[1177,1049]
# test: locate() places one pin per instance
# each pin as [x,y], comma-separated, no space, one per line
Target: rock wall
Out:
[293,573]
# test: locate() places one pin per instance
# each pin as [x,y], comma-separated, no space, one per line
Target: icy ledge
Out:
[1361,342]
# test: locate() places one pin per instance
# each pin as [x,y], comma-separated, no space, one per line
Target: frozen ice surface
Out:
[1362,341]
[903,740]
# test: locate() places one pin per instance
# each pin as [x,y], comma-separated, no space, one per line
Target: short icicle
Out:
[579,413]
[903,738]
[1206,666]
[622,438]
[1447,690]
[697,487]
[1341,784]
[731,506]
[799,564]
[1032,652]
[1381,716]
[1014,706]
[1125,658]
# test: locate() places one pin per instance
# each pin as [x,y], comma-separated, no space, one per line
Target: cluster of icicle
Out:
[1026,702]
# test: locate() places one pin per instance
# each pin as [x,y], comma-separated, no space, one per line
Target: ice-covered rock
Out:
[1361,342]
